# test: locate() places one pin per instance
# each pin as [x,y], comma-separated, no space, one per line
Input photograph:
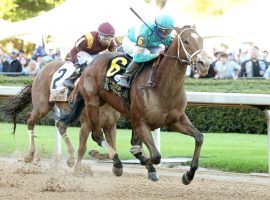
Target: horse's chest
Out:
[160,111]
[158,115]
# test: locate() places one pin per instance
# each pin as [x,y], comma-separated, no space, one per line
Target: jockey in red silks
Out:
[89,46]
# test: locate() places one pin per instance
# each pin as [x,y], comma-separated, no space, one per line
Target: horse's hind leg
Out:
[137,151]
[32,118]
[110,134]
[92,112]
[185,126]
[84,134]
[62,128]
[93,116]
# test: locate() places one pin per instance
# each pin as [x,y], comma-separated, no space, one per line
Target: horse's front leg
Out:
[137,150]
[62,130]
[183,125]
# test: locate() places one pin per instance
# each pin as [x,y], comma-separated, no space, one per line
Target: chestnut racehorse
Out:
[150,107]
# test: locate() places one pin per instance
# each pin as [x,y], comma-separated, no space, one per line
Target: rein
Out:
[189,56]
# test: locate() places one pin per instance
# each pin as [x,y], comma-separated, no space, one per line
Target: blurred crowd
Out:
[17,63]
[227,64]
[224,64]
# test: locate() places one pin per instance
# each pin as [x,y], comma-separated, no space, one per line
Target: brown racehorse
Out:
[38,93]
[150,107]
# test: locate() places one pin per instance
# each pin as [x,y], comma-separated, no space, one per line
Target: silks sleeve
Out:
[142,53]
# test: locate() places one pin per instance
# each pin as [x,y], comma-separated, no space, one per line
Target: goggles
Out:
[164,31]
[106,38]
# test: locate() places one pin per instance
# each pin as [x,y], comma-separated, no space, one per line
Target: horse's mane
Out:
[178,29]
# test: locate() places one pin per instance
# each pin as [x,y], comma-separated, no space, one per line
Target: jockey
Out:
[88,46]
[146,44]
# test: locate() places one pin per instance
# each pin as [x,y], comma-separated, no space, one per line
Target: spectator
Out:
[12,64]
[243,56]
[265,58]
[253,67]
[39,51]
[24,61]
[39,59]
[57,55]
[226,68]
[21,53]
[2,59]
[32,68]
[47,58]
[231,57]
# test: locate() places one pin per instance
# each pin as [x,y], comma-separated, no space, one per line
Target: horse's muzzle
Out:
[202,67]
[202,64]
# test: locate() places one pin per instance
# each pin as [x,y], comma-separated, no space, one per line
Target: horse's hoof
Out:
[70,162]
[185,179]
[28,159]
[117,171]
[82,170]
[153,176]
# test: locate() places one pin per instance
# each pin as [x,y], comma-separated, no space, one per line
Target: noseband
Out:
[191,61]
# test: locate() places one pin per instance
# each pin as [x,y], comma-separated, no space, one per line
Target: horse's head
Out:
[190,49]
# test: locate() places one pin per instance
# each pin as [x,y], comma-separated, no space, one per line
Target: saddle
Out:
[116,67]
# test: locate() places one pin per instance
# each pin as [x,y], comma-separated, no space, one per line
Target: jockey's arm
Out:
[80,45]
[167,42]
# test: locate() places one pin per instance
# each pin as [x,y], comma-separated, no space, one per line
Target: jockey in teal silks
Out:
[146,43]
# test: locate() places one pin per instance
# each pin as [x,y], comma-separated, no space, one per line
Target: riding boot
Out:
[69,82]
[123,79]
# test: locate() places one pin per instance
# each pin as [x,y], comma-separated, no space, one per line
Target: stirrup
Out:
[68,84]
[123,83]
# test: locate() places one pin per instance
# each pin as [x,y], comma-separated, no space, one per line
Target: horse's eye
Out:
[186,41]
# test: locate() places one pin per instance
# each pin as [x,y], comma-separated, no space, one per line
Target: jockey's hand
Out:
[160,52]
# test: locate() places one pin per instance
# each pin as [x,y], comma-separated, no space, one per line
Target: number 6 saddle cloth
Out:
[58,92]
[116,67]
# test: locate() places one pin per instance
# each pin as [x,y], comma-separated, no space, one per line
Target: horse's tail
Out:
[75,112]
[14,105]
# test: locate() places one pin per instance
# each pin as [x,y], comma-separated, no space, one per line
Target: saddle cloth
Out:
[58,92]
[116,67]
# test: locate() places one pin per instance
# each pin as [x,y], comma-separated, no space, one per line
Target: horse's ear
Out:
[193,26]
[177,29]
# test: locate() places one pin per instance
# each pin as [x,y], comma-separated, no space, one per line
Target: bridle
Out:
[190,57]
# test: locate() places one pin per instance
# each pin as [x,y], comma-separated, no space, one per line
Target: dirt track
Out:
[51,179]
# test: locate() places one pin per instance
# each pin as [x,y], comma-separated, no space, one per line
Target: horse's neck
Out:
[170,74]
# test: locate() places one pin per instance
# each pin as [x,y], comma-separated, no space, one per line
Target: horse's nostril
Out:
[200,64]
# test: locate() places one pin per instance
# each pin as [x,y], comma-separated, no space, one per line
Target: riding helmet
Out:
[164,21]
[106,29]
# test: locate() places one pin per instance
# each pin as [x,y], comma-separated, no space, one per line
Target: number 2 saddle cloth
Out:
[116,67]
[58,92]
